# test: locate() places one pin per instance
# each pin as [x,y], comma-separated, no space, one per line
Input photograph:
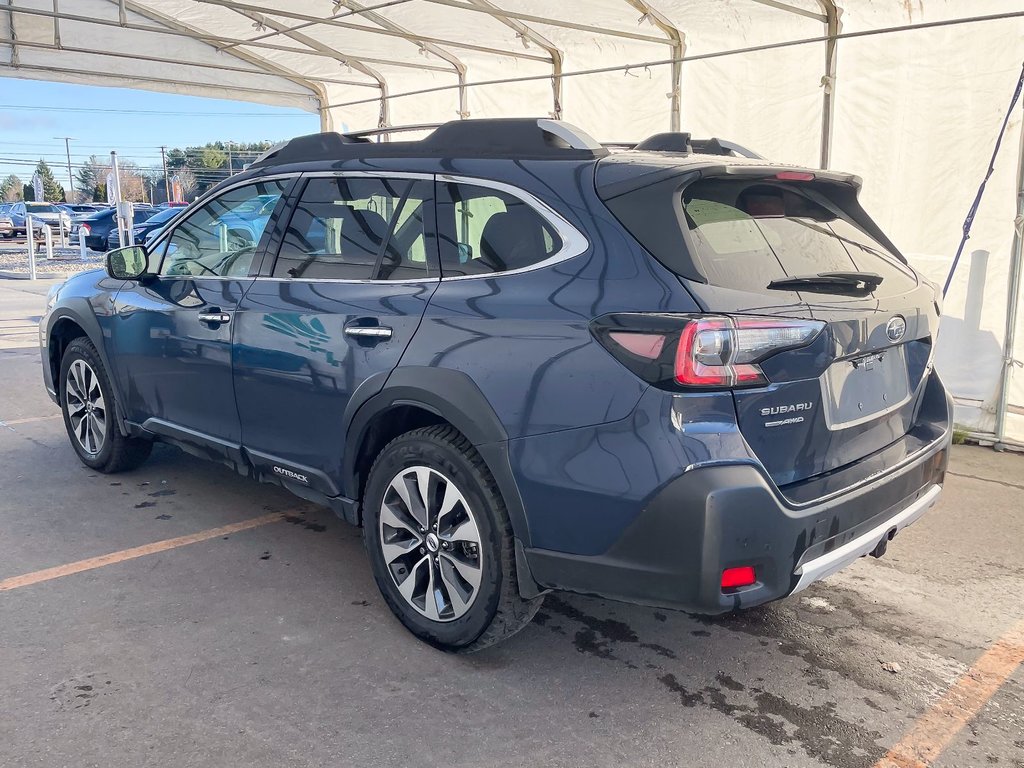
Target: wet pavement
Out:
[271,646]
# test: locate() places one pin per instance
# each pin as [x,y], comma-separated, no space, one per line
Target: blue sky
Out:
[25,134]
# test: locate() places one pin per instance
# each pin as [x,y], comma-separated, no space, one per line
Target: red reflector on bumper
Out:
[738,577]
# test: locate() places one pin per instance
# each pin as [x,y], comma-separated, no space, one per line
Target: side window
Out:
[485,230]
[353,228]
[220,238]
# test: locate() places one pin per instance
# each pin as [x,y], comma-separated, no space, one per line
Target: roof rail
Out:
[715,146]
[387,130]
[683,143]
[508,138]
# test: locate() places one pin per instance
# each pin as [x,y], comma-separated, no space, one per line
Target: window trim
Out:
[309,175]
[574,242]
[201,202]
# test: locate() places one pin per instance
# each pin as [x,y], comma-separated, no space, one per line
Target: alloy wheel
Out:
[87,410]
[431,543]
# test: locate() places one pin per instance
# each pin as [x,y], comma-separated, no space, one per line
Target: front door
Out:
[334,312]
[171,338]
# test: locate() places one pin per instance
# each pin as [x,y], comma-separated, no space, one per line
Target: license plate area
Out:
[861,389]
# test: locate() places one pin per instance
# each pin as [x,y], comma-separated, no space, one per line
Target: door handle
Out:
[369,331]
[214,316]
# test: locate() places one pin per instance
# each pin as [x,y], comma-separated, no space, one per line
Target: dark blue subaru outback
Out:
[675,374]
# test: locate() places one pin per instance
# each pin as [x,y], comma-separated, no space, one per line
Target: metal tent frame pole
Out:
[458,66]
[384,116]
[833,26]
[528,34]
[678,42]
[1012,304]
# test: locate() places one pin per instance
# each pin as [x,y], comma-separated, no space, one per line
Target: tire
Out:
[87,402]
[476,611]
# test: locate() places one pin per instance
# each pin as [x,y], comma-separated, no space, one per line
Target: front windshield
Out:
[42,208]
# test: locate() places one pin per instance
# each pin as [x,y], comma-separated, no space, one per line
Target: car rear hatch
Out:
[761,246]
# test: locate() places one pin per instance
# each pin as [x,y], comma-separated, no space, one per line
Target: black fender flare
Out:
[77,310]
[452,396]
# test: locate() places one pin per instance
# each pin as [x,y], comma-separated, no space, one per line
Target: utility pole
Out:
[167,181]
[231,170]
[67,151]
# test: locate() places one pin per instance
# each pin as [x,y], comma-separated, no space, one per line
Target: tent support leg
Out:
[1012,304]
[14,34]
[326,121]
[556,84]
[828,82]
[463,101]
[529,35]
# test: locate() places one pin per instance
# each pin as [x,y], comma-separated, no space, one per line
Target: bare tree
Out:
[187,179]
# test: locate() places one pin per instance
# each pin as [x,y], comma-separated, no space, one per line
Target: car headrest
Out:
[511,239]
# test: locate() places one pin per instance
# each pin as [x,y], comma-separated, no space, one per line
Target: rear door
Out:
[333,312]
[854,390]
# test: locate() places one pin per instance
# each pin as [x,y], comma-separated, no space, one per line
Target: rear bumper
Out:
[653,509]
[719,517]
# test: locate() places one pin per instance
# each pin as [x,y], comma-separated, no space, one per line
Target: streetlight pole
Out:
[67,152]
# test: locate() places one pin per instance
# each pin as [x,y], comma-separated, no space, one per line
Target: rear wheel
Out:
[441,544]
[87,401]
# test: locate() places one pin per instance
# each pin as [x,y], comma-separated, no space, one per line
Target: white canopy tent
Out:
[909,94]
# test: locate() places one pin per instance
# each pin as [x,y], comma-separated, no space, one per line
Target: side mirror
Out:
[128,263]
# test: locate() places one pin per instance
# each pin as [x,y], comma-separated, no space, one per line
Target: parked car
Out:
[43,214]
[145,230]
[80,211]
[672,375]
[6,222]
[98,226]
[173,204]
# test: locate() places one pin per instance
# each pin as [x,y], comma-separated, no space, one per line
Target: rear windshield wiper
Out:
[823,281]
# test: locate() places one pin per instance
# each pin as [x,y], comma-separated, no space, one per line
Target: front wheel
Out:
[441,544]
[87,402]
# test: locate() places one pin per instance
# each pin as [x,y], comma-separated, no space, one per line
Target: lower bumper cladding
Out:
[714,520]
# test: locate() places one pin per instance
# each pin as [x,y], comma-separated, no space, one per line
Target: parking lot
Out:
[181,614]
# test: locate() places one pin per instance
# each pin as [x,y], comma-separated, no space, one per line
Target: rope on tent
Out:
[969,221]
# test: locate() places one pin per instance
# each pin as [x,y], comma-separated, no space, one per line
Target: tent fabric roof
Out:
[323,55]
[908,94]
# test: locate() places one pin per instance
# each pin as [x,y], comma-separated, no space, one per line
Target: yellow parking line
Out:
[939,725]
[57,572]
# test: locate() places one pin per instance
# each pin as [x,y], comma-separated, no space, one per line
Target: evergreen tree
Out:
[52,191]
[91,175]
[11,189]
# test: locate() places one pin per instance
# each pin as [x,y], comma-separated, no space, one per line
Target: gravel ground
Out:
[14,258]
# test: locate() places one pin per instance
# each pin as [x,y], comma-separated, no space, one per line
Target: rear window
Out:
[745,234]
[42,208]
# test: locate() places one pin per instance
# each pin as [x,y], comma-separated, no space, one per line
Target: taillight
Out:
[86,228]
[702,351]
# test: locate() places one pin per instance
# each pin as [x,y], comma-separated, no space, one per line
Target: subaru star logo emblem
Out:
[895,328]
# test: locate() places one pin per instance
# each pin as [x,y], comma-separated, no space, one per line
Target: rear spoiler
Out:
[782,173]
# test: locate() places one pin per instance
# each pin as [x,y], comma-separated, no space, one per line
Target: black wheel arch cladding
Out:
[454,397]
